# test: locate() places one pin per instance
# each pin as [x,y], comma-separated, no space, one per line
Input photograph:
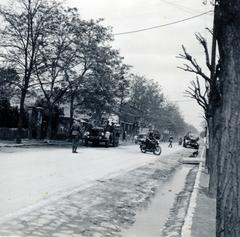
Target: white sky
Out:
[153,53]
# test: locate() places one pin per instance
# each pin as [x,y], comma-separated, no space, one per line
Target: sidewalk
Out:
[33,142]
[204,220]
[200,220]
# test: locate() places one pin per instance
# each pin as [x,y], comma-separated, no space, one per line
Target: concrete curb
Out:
[187,226]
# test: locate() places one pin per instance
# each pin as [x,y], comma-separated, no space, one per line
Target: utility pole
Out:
[214,43]
[211,159]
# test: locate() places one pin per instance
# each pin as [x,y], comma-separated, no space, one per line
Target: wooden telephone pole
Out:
[214,42]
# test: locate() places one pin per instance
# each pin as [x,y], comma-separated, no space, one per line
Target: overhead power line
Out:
[163,25]
[181,7]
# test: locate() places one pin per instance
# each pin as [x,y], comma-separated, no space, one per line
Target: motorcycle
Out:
[150,147]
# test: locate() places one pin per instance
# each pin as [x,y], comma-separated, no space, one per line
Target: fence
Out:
[11,133]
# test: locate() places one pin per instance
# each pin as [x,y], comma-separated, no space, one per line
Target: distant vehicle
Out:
[140,137]
[191,141]
[98,135]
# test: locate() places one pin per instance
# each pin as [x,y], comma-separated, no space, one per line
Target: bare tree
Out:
[208,97]
[194,91]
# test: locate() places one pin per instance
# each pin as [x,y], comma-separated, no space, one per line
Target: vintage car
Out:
[97,136]
[191,141]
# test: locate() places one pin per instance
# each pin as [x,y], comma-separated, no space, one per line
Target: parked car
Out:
[98,135]
[191,141]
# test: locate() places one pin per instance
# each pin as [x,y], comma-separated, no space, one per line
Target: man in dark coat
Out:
[75,137]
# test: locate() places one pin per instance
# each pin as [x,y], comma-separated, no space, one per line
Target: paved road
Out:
[28,176]
[94,184]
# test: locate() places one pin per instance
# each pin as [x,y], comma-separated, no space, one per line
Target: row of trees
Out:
[146,96]
[220,101]
[54,55]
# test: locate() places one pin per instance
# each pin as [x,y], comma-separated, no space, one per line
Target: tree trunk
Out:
[30,123]
[209,141]
[50,121]
[71,112]
[21,116]
[98,116]
[214,147]
[228,192]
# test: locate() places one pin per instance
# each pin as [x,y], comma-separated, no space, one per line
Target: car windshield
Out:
[193,137]
[96,131]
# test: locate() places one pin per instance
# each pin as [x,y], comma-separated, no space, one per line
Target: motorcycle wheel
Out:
[143,149]
[157,151]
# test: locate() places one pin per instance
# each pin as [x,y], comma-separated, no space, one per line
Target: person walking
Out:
[170,142]
[75,137]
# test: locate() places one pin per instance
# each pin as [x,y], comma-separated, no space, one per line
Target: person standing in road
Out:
[170,142]
[180,141]
[124,135]
[111,130]
[75,137]
[107,127]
